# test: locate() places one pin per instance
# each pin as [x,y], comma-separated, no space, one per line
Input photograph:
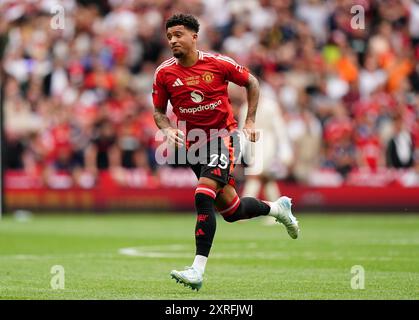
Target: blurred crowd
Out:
[77,99]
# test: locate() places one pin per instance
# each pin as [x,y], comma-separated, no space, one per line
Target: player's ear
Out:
[195,36]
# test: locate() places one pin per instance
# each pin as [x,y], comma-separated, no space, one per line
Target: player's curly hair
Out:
[187,20]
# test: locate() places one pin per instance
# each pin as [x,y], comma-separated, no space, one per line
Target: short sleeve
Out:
[233,71]
[160,96]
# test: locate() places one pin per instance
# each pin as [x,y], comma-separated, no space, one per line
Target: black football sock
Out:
[248,208]
[205,222]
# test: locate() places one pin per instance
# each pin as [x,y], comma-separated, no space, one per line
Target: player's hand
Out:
[250,132]
[175,136]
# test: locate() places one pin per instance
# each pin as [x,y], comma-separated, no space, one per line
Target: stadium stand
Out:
[78,107]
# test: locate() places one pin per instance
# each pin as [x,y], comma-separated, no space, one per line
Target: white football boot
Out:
[281,211]
[190,277]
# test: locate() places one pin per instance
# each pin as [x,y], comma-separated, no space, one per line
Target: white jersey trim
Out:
[165,64]
[224,58]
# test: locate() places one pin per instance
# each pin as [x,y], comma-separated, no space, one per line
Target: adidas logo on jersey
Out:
[177,83]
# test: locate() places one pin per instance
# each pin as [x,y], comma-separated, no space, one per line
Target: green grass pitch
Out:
[120,256]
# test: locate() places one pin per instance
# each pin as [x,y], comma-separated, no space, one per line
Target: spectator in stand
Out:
[103,152]
[131,144]
[307,145]
[401,149]
[371,77]
[316,13]
[339,147]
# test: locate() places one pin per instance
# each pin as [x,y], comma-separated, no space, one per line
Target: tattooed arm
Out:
[252,90]
[161,119]
[174,136]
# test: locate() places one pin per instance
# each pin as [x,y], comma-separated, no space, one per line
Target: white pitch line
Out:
[180,251]
[186,252]
[156,251]
[57,256]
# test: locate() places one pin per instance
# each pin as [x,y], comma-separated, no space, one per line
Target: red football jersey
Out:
[198,93]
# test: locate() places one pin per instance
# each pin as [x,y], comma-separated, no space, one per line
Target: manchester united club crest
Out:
[208,77]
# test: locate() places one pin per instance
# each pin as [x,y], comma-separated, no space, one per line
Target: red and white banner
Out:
[173,190]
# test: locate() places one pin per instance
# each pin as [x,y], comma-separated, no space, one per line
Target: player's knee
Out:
[229,212]
[205,190]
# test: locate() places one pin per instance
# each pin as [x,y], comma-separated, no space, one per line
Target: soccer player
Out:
[196,83]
